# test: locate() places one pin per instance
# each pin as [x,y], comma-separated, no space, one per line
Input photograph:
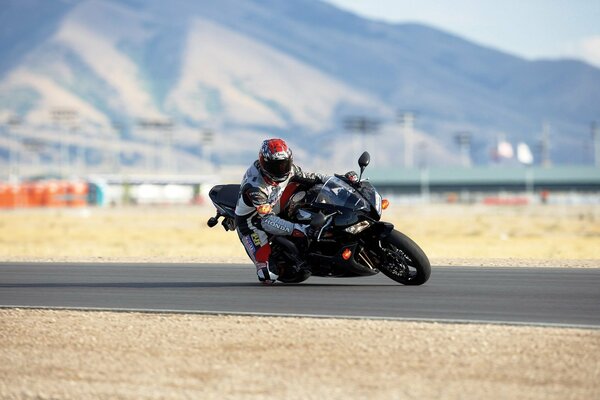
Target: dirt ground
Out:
[47,354]
[100,355]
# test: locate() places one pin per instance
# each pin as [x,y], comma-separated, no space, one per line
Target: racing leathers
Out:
[256,214]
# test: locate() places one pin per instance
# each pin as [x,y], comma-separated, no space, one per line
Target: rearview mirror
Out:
[364,160]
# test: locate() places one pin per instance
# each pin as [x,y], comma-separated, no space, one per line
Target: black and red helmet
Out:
[275,159]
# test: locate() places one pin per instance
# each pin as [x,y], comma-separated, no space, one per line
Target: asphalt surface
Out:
[548,296]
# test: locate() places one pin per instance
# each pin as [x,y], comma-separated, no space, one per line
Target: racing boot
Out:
[265,274]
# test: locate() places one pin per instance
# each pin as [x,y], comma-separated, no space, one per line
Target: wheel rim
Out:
[398,263]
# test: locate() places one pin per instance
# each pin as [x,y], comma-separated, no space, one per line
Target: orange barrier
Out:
[77,194]
[5,196]
[12,196]
[50,198]
[506,201]
[44,194]
[35,195]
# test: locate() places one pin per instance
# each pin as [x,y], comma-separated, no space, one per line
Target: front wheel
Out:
[403,260]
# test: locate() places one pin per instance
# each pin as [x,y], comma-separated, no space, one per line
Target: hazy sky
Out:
[528,28]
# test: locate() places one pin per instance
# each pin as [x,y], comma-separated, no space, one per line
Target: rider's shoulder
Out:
[253,174]
[254,182]
[253,195]
[296,170]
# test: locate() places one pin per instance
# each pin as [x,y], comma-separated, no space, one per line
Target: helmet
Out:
[275,159]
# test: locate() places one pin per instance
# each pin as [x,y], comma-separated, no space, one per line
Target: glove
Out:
[300,230]
[351,176]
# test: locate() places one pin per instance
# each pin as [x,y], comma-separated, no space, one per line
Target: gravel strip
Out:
[75,355]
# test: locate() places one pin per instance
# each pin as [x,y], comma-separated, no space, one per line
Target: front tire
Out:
[297,277]
[403,260]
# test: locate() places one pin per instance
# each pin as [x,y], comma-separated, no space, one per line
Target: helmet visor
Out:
[278,170]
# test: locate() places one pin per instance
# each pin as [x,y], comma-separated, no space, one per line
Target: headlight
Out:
[357,228]
[378,203]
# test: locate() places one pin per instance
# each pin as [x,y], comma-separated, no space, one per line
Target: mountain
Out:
[150,78]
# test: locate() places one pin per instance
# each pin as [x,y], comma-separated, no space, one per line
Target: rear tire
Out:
[403,260]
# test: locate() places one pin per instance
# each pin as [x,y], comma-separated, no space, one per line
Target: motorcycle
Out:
[348,238]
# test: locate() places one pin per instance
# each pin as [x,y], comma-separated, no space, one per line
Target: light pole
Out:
[596,141]
[407,119]
[158,126]
[207,141]
[464,142]
[80,158]
[545,145]
[35,147]
[363,126]
[62,116]
[14,157]
[116,155]
[424,171]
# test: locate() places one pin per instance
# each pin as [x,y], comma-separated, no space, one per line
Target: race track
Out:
[547,296]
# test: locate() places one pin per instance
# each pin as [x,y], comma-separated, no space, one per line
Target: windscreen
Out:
[337,192]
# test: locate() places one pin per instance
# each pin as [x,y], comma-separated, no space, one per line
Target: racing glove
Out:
[301,231]
[351,176]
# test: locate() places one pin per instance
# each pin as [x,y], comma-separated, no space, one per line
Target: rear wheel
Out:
[403,260]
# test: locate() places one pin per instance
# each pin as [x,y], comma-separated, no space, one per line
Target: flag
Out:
[524,154]
[505,150]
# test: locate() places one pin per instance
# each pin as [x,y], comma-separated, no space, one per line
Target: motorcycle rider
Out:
[262,197]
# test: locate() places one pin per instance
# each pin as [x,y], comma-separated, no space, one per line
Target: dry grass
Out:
[180,234]
[105,234]
[538,232]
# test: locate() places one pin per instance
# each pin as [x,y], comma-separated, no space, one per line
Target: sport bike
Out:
[346,237]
